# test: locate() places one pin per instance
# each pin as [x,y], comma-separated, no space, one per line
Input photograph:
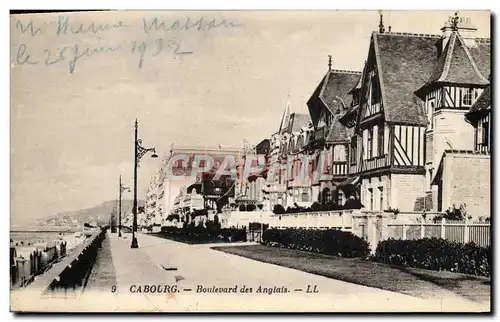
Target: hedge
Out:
[328,242]
[205,235]
[436,254]
[350,204]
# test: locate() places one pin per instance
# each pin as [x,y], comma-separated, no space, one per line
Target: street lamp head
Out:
[154,155]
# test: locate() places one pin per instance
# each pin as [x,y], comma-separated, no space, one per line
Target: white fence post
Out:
[404,231]
[422,229]
[443,230]
[466,230]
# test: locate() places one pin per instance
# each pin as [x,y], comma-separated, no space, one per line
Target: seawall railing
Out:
[73,270]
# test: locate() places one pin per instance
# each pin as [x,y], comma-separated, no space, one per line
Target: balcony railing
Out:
[373,109]
[371,164]
[339,168]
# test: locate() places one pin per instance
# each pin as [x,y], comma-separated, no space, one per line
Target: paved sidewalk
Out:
[134,266]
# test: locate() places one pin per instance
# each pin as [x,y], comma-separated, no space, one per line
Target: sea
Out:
[30,237]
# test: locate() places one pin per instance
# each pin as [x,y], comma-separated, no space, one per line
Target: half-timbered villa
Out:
[407,112]
[328,147]
[464,176]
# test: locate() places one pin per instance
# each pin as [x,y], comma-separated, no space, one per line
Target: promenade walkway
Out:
[135,266]
[193,271]
[191,267]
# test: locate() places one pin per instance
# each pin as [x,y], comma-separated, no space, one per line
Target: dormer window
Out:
[467,96]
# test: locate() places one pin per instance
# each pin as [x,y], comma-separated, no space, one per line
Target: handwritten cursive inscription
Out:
[72,54]
[160,45]
[200,24]
[23,56]
[64,26]
[29,28]
[143,49]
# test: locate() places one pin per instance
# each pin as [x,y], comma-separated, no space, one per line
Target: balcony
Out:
[371,164]
[339,168]
[371,110]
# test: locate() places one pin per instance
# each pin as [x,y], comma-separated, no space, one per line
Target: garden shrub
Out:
[209,234]
[328,242]
[278,209]
[436,254]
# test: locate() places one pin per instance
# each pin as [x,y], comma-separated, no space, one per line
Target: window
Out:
[370,144]
[370,195]
[353,150]
[375,91]
[339,153]
[476,93]
[381,140]
[340,198]
[305,195]
[432,114]
[326,196]
[381,193]
[466,96]
[486,133]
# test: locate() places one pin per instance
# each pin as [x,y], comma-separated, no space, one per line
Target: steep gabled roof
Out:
[297,121]
[481,54]
[336,84]
[338,133]
[457,65]
[404,63]
[357,87]
[483,103]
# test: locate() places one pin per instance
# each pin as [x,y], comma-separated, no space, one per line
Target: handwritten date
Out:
[72,54]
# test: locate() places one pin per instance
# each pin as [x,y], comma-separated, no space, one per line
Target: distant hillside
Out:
[100,213]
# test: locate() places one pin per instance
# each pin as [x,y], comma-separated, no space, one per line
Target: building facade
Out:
[187,184]
[398,135]
[284,186]
[410,132]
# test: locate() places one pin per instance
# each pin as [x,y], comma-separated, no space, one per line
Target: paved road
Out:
[164,262]
[199,266]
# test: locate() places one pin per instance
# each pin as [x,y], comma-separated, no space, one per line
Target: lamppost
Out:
[139,152]
[121,190]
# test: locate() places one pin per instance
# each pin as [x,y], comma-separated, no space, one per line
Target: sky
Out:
[76,88]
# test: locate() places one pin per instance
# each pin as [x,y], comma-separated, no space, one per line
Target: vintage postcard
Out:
[251,161]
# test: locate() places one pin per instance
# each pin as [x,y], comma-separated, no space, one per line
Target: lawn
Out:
[411,281]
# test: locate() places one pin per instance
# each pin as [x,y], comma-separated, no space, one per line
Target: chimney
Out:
[468,31]
[463,26]
[447,29]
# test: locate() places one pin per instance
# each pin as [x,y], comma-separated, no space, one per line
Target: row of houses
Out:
[410,132]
